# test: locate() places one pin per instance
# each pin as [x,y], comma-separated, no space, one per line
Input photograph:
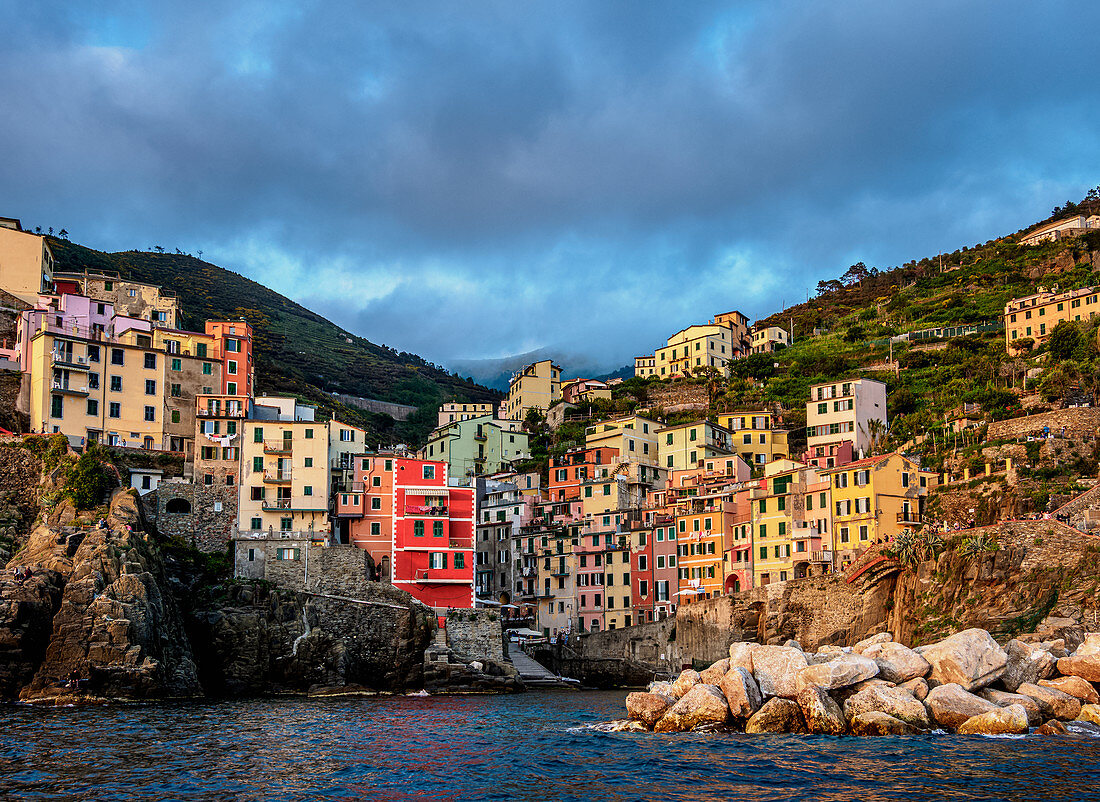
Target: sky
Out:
[474,180]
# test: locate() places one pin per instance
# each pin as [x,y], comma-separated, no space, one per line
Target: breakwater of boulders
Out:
[966,684]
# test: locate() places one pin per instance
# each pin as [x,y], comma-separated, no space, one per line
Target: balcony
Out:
[277,446]
[821,557]
[460,543]
[426,511]
[221,413]
[276,477]
[63,387]
[288,505]
[910,517]
[529,572]
[65,359]
[480,437]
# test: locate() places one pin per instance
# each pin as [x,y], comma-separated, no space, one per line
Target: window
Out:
[116,384]
[257,523]
[93,353]
[437,529]
[175,390]
[375,528]
[231,388]
[93,381]
[175,416]
[460,560]
[376,503]
[56,406]
[114,410]
[150,361]
[150,413]
[348,436]
[150,387]
[177,364]
[207,369]
[429,471]
[232,367]
[258,435]
[437,560]
[309,462]
[93,406]
[117,357]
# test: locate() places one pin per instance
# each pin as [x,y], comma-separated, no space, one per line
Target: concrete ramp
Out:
[533,673]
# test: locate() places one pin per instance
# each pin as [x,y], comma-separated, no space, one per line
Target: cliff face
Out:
[102,606]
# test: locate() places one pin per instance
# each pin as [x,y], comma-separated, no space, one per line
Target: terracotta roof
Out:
[862,463]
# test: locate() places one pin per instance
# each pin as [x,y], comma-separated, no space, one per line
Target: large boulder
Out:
[1083,666]
[874,722]
[1004,699]
[777,715]
[1052,727]
[1054,704]
[897,663]
[823,715]
[1011,720]
[893,701]
[741,654]
[1089,646]
[882,637]
[702,704]
[1090,713]
[648,708]
[840,672]
[713,674]
[687,680]
[1026,663]
[741,692]
[663,688]
[951,705]
[918,687]
[1074,686]
[776,670]
[970,658]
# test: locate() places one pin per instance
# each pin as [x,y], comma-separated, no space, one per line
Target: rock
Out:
[341,690]
[648,708]
[702,704]
[1054,704]
[624,725]
[793,644]
[1056,647]
[970,658]
[714,673]
[896,702]
[1090,713]
[777,715]
[831,649]
[741,654]
[823,716]
[1011,720]
[1025,664]
[1004,699]
[840,672]
[1089,646]
[741,692]
[776,670]
[918,687]
[1083,666]
[1052,727]
[882,637]
[684,683]
[662,688]
[874,722]
[819,658]
[842,694]
[951,705]
[1074,686]
[897,663]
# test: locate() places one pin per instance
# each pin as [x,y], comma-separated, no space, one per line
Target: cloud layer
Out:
[481,179]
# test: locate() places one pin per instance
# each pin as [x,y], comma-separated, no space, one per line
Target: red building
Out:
[418,528]
[572,469]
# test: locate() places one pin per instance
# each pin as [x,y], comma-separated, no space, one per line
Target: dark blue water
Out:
[532,746]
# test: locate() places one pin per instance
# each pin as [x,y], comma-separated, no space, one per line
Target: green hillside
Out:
[297,351]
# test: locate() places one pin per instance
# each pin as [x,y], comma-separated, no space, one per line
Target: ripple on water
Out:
[536,746]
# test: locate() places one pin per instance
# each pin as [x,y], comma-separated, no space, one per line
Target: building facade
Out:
[844,412]
[537,386]
[1033,317]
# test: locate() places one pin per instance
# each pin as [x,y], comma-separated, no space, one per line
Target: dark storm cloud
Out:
[480,179]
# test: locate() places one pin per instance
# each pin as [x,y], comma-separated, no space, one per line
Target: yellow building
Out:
[633,436]
[286,470]
[645,366]
[689,445]
[791,523]
[694,349]
[131,298]
[703,525]
[769,339]
[107,390]
[755,437]
[1035,316]
[738,324]
[537,386]
[875,499]
[26,262]
[454,411]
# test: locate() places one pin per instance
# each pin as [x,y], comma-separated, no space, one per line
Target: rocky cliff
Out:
[105,609]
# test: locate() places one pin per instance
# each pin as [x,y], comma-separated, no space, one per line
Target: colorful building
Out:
[477,446]
[450,412]
[843,412]
[790,523]
[769,339]
[755,436]
[581,391]
[1033,317]
[537,386]
[688,445]
[26,262]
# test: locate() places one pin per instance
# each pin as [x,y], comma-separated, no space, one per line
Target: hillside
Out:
[297,351]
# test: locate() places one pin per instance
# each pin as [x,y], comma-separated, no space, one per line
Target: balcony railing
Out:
[460,543]
[821,556]
[277,446]
[426,510]
[910,517]
[288,505]
[220,413]
[62,387]
[67,359]
[277,477]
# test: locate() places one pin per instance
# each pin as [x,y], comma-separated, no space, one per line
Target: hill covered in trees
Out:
[297,351]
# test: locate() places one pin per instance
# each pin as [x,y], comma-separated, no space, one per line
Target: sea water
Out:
[533,746]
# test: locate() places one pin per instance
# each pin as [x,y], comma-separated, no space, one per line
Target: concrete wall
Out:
[476,633]
[335,570]
[395,411]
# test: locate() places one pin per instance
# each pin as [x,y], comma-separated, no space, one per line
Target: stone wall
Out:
[682,396]
[652,643]
[12,417]
[314,568]
[395,411]
[209,515]
[1078,422]
[476,633]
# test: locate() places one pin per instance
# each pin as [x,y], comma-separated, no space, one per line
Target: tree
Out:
[38,229]
[88,481]
[50,229]
[63,234]
[158,248]
[1064,340]
[855,274]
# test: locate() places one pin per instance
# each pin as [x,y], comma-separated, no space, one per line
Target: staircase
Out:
[533,674]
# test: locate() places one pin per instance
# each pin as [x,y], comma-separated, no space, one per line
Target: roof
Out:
[867,462]
[695,423]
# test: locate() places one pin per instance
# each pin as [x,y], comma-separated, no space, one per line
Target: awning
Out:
[525,632]
[487,602]
[695,590]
